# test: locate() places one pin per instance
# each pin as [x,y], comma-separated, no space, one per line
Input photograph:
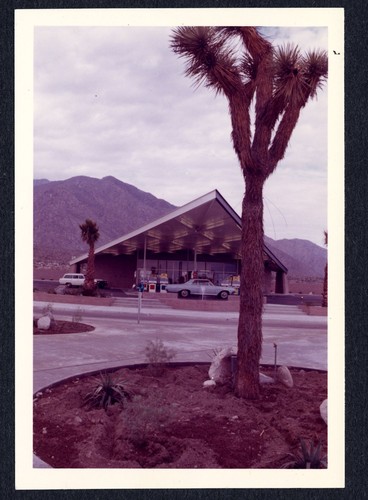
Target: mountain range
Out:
[118,208]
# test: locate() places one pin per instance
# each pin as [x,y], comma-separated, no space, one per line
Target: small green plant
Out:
[308,458]
[77,316]
[158,355]
[48,309]
[142,419]
[107,392]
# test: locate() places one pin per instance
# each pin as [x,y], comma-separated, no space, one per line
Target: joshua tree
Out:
[280,81]
[90,234]
[325,281]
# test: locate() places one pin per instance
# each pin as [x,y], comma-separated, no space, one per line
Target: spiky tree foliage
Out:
[90,234]
[325,281]
[279,81]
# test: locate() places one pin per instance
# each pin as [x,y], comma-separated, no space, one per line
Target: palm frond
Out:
[89,231]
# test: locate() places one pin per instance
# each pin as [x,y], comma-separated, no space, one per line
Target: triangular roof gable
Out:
[208,224]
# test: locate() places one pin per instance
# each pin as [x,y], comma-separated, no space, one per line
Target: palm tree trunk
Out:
[251,297]
[89,283]
[325,288]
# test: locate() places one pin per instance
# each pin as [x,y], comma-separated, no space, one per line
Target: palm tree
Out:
[280,82]
[90,234]
[325,281]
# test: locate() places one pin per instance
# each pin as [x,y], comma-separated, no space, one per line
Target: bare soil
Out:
[60,327]
[173,422]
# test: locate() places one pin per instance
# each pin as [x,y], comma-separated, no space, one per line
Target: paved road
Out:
[119,339]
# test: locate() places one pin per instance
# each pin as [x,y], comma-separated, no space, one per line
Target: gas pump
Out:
[163,282]
[152,282]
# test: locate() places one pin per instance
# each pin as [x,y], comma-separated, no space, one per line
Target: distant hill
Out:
[302,257]
[38,182]
[118,208]
[60,206]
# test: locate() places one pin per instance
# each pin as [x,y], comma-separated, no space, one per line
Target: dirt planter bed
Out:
[173,422]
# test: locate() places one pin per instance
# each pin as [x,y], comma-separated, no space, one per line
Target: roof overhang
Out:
[207,225]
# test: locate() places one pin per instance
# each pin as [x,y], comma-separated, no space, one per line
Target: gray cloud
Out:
[114,101]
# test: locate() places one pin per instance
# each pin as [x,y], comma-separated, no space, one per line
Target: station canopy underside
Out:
[207,225]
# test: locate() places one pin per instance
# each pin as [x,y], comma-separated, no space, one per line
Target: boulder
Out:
[284,376]
[209,383]
[264,379]
[323,410]
[220,370]
[44,322]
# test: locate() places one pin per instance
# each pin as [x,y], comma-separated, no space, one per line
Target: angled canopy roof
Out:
[207,225]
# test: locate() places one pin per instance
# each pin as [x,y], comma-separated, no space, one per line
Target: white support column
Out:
[144,257]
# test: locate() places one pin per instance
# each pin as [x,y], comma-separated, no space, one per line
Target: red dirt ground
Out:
[173,422]
[60,327]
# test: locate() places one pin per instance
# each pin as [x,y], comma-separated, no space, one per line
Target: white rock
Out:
[44,323]
[284,376]
[209,383]
[220,369]
[323,410]
[264,379]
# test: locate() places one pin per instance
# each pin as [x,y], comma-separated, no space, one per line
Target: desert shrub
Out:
[158,355]
[73,290]
[77,316]
[142,418]
[48,309]
[90,292]
[308,458]
[107,392]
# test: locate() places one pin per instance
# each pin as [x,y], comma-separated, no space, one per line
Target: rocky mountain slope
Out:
[302,257]
[118,208]
[60,206]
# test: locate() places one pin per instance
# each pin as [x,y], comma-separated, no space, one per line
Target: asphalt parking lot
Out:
[283,299]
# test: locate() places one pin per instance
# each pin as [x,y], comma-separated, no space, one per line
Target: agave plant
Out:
[308,458]
[107,392]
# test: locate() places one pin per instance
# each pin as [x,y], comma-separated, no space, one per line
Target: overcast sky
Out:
[114,101]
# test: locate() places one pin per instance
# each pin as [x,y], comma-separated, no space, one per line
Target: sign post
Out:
[140,293]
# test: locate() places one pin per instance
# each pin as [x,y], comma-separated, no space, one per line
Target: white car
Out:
[77,279]
[200,287]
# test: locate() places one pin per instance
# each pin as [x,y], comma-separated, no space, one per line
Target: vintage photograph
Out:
[181,213]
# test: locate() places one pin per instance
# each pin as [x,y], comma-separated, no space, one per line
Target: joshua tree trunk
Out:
[279,82]
[251,297]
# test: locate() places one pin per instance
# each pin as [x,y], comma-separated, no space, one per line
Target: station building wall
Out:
[120,270]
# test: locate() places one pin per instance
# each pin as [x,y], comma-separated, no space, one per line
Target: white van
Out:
[77,279]
[72,279]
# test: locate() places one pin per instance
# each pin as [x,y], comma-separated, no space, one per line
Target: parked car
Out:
[77,279]
[200,287]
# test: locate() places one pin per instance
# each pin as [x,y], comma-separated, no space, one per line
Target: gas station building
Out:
[199,239]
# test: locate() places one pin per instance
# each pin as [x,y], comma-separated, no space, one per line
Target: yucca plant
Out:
[308,458]
[107,392]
